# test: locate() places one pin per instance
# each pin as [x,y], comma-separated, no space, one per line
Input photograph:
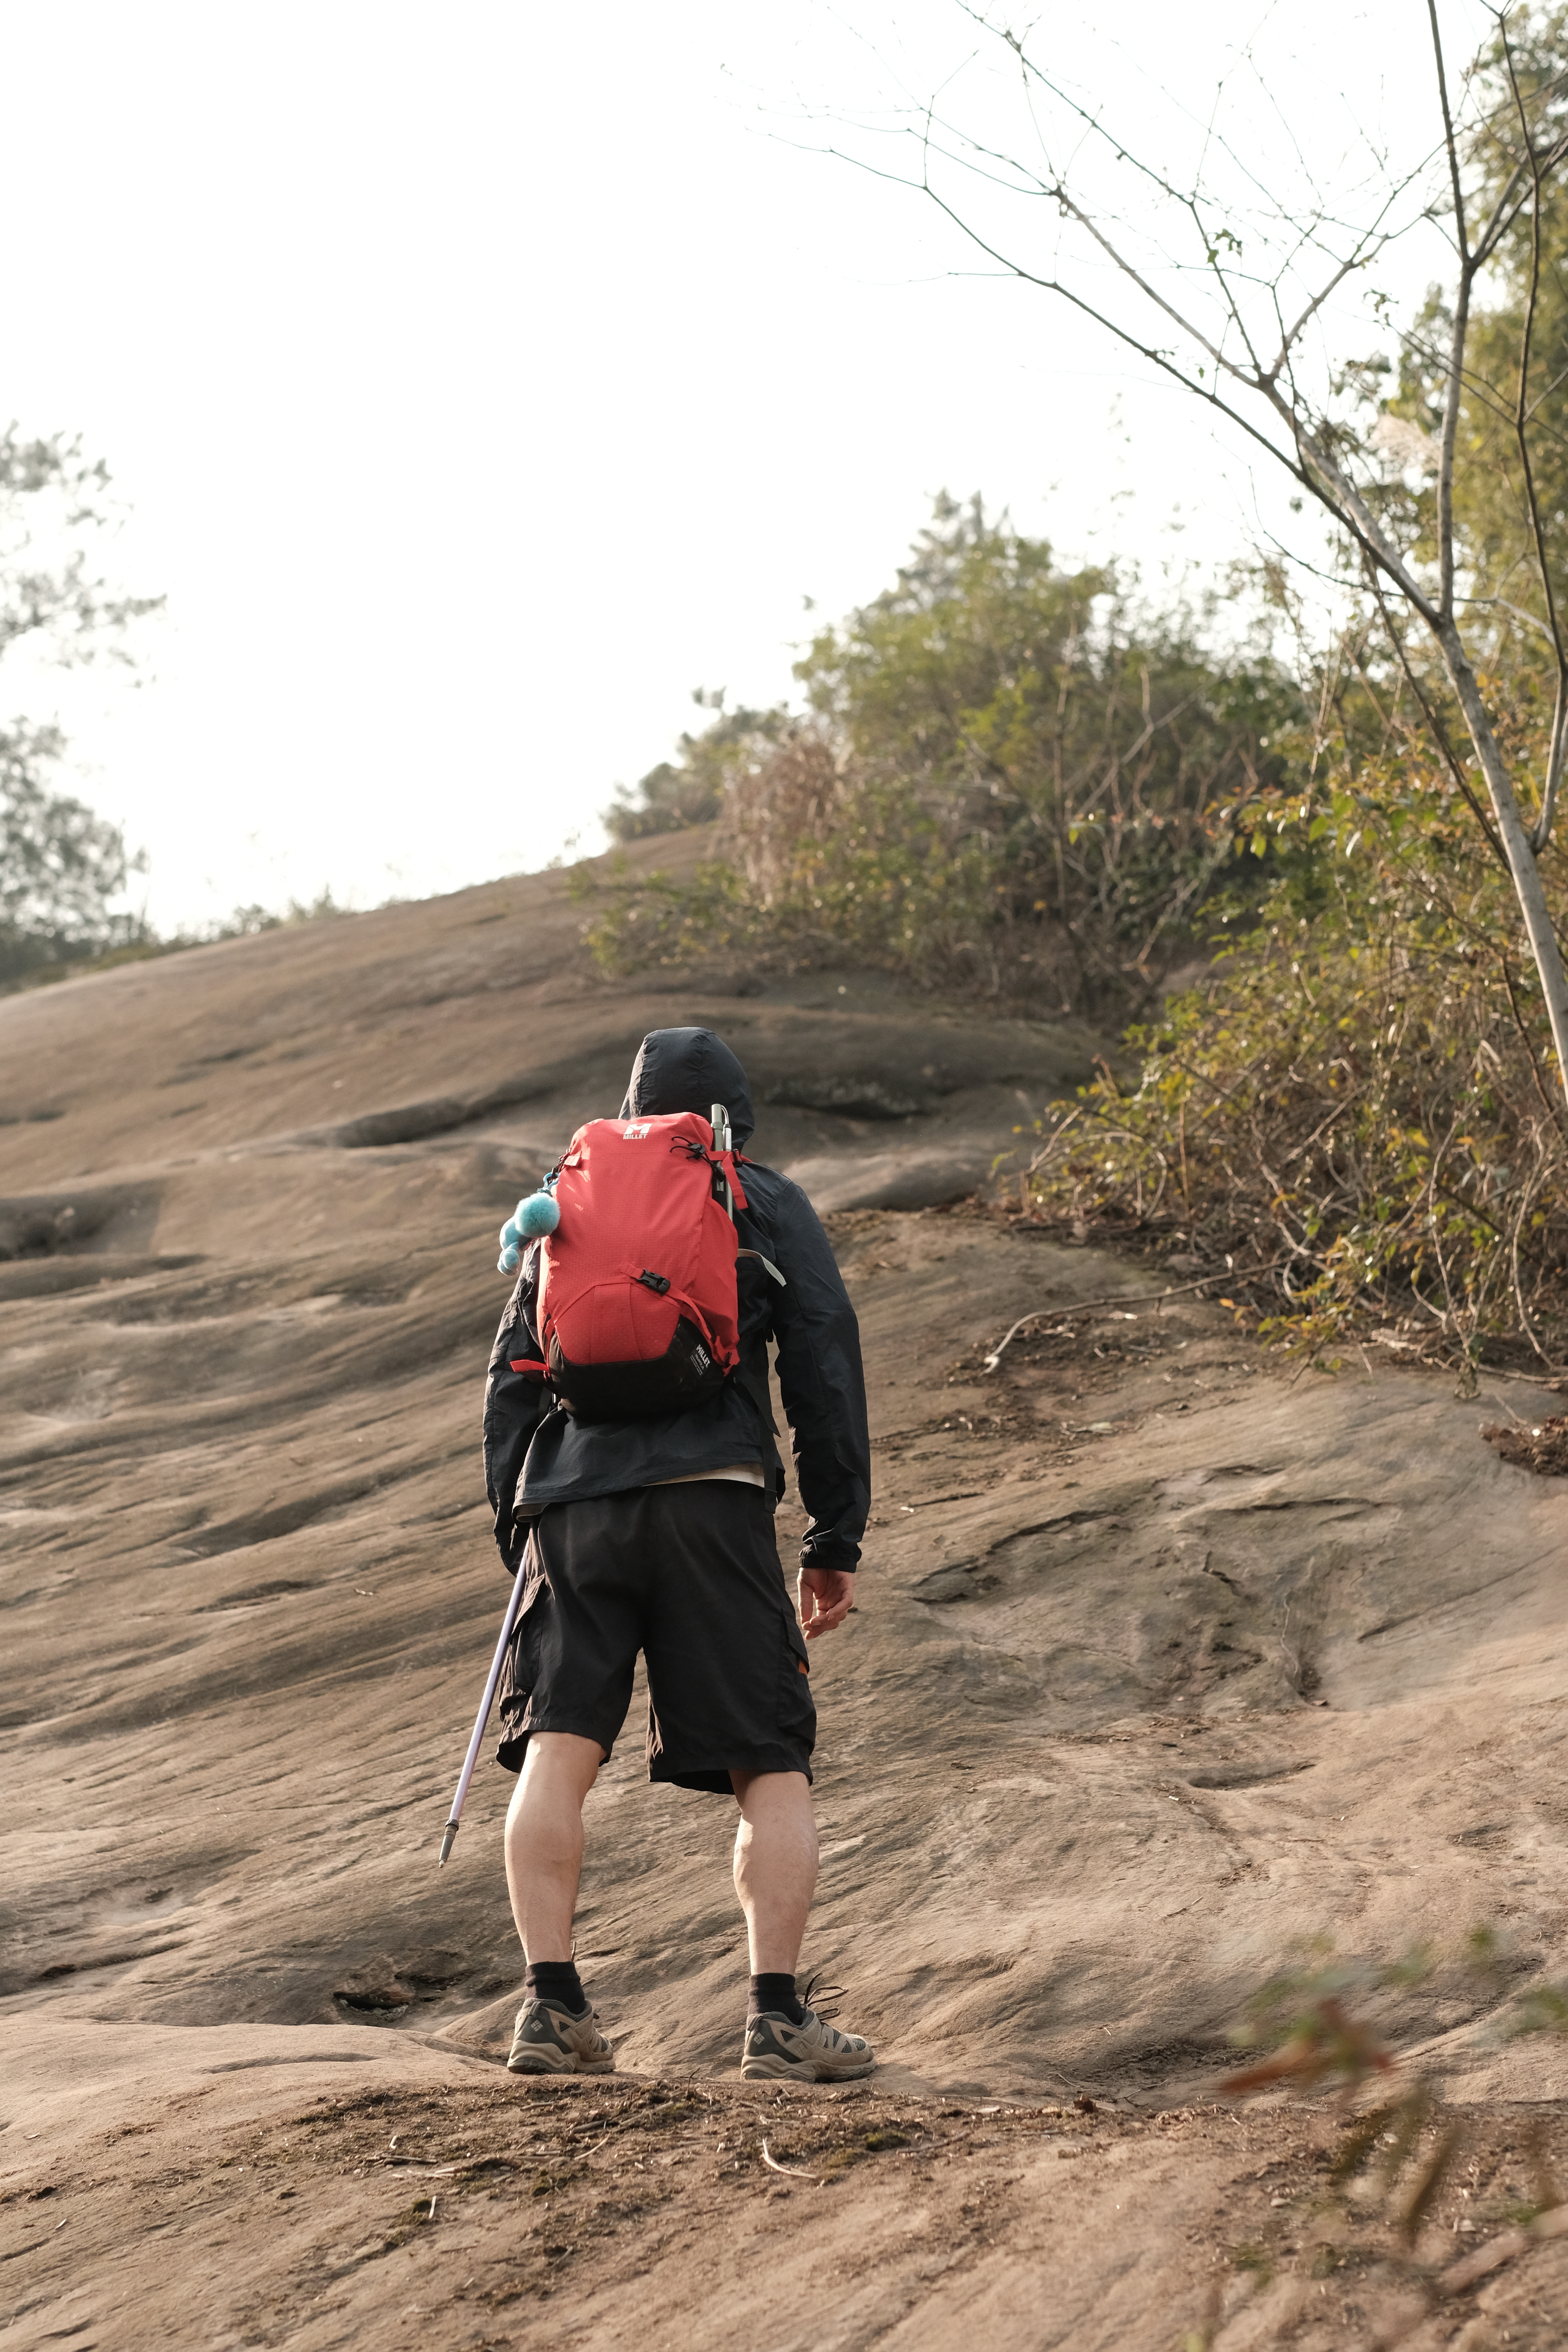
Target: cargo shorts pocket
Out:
[520,1671]
[797,1708]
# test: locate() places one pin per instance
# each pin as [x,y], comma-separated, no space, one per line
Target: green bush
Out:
[1005,781]
[1357,1113]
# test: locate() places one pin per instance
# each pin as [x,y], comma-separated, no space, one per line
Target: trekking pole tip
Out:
[448,1835]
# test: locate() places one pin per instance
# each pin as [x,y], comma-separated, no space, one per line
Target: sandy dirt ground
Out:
[1167,1658]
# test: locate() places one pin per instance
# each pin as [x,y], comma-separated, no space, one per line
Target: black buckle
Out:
[653,1281]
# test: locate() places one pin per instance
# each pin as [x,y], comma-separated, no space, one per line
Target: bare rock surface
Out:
[1164,1658]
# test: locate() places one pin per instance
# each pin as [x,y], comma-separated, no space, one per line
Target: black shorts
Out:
[690,1575]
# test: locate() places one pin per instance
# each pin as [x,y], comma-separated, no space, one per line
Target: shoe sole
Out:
[536,2063]
[771,2070]
[531,2066]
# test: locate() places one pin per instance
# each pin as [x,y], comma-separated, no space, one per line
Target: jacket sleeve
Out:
[514,1405]
[822,1385]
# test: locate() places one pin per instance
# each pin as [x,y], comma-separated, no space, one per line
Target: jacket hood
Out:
[689,1069]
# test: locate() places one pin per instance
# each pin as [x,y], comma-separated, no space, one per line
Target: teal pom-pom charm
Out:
[534,1216]
[537,1215]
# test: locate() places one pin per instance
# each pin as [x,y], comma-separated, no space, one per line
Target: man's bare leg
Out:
[775,1866]
[544,1860]
[776,1878]
[545,1838]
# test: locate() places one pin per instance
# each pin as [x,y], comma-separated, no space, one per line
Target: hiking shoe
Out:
[812,2052]
[549,2040]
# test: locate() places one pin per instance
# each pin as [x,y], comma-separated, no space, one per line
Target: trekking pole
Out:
[472,1758]
[719,1120]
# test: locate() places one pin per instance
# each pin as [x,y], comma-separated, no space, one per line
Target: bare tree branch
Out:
[1457,340]
[1542,827]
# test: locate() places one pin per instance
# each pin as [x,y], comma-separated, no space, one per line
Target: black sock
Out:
[776,1993]
[557,1980]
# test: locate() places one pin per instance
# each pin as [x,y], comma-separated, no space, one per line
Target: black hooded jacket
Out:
[536,1453]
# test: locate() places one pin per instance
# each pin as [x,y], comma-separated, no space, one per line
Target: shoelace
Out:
[816,1996]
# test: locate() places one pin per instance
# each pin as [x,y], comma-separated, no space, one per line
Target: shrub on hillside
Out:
[1357,1113]
[1005,781]
[690,789]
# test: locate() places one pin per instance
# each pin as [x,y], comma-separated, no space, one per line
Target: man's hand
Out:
[826,1597]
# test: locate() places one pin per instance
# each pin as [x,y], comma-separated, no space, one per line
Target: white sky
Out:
[482,378]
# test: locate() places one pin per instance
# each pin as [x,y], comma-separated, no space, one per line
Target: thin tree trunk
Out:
[1527,883]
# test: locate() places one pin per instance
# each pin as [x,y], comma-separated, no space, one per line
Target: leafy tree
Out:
[60,865]
[1031,767]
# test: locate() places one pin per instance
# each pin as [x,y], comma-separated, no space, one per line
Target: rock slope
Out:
[1165,1657]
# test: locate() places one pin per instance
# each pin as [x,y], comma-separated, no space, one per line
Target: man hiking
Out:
[654,1532]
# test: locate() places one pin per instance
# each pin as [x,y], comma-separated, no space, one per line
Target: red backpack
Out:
[638,1311]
